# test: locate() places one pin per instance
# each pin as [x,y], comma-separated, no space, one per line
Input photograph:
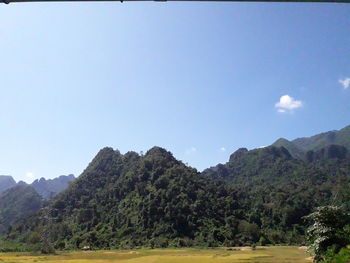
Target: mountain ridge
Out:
[47,188]
[155,200]
[6,182]
[300,146]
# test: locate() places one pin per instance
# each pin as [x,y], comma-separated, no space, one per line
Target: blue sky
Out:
[200,79]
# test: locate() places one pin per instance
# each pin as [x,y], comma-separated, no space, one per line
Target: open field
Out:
[260,255]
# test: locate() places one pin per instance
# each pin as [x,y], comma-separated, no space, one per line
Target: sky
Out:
[199,79]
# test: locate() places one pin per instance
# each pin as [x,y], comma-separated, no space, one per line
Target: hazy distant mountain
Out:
[17,203]
[46,188]
[6,182]
[51,187]
[299,147]
[19,200]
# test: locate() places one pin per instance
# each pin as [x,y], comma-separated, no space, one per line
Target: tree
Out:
[46,245]
[327,231]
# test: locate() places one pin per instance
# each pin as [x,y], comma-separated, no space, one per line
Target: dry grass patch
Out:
[260,255]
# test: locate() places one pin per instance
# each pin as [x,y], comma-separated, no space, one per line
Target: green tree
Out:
[328,231]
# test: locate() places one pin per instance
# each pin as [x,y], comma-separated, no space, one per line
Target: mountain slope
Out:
[293,149]
[17,203]
[299,147]
[155,200]
[19,200]
[129,200]
[276,190]
[6,182]
[51,187]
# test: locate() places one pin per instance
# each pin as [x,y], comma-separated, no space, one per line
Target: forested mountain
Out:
[6,182]
[19,200]
[155,200]
[51,187]
[299,147]
[127,200]
[17,203]
[277,190]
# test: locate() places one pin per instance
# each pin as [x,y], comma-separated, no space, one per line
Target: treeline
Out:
[154,200]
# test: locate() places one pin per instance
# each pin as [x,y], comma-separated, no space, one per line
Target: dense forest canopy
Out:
[17,203]
[127,200]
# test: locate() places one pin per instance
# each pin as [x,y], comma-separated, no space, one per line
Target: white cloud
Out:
[345,82]
[223,149]
[288,104]
[30,175]
[191,150]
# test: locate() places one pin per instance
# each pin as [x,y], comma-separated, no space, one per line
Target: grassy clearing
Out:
[260,255]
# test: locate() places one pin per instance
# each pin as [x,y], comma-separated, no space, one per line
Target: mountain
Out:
[299,147]
[46,188]
[17,203]
[51,187]
[293,149]
[19,200]
[128,200]
[131,200]
[276,190]
[331,151]
[6,182]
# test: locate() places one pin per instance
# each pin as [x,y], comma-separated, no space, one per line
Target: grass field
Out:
[260,255]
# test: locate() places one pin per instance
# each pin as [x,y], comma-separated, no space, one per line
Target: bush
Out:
[342,257]
[329,231]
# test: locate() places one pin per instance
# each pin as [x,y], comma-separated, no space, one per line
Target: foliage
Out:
[343,256]
[276,190]
[329,231]
[154,200]
[16,203]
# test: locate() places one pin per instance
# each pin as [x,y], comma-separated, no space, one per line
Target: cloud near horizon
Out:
[191,150]
[288,104]
[344,82]
[30,175]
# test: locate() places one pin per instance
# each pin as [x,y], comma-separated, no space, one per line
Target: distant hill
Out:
[20,200]
[276,190]
[6,182]
[127,200]
[45,188]
[131,200]
[299,147]
[51,187]
[17,203]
